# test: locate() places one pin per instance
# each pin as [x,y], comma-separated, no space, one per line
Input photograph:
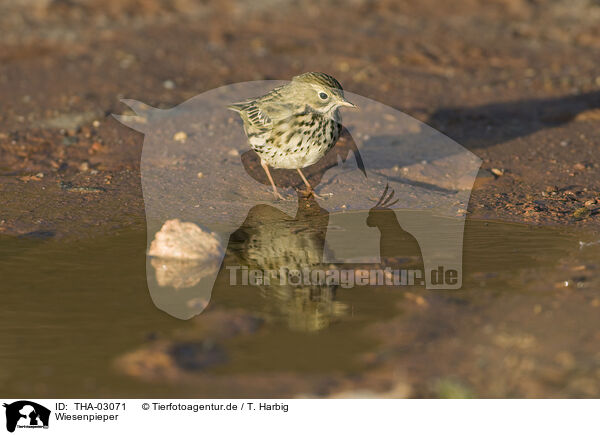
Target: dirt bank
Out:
[516,82]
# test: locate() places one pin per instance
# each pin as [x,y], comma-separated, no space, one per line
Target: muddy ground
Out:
[516,82]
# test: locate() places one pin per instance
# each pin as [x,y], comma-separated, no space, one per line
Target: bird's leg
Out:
[309,188]
[266,168]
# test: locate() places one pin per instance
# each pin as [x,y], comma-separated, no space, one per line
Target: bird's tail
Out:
[238,107]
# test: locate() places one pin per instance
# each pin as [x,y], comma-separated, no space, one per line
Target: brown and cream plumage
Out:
[294,125]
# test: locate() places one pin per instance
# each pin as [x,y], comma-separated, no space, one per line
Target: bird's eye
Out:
[323,95]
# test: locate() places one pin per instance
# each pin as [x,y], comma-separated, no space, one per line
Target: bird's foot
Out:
[308,192]
[278,196]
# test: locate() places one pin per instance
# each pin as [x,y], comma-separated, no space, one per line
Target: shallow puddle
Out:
[72,312]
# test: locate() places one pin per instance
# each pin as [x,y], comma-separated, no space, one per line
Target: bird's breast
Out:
[296,142]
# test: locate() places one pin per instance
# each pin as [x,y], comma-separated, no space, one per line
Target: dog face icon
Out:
[200,180]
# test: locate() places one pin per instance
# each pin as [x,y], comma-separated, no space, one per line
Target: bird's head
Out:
[320,91]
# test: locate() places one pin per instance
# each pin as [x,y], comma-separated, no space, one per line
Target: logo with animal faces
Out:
[389,181]
[24,414]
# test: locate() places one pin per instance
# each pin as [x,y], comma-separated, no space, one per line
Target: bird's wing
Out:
[253,116]
[260,113]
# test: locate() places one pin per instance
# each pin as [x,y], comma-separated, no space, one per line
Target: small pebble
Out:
[180,136]
[96,147]
[169,84]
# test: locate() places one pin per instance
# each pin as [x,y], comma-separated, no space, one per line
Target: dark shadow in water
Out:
[18,246]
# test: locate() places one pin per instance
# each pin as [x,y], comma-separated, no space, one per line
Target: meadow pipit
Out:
[296,124]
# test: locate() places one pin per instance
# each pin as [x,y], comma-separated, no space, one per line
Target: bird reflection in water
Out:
[270,240]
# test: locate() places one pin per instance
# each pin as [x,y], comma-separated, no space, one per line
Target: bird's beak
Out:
[346,103]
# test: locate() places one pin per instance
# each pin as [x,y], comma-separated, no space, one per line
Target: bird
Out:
[271,241]
[294,125]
